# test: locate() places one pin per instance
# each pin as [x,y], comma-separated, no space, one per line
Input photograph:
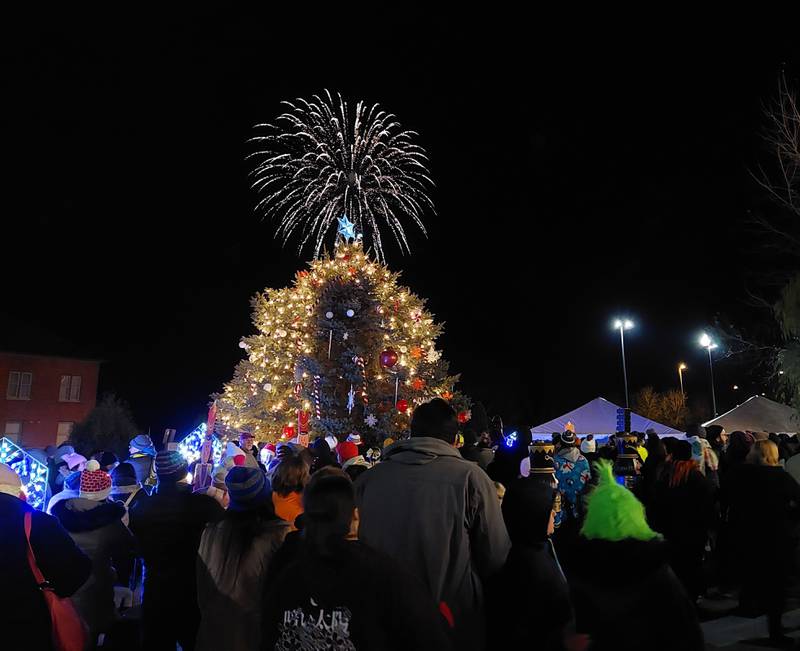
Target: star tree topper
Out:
[347,229]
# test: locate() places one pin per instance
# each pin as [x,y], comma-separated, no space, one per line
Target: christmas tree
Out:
[345,349]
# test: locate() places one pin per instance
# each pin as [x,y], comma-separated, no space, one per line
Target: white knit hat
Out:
[355,437]
[10,483]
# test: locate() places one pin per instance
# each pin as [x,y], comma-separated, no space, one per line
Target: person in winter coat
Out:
[232,564]
[95,524]
[142,456]
[573,474]
[651,469]
[763,507]
[625,596]
[288,481]
[474,431]
[247,442]
[26,620]
[736,453]
[682,508]
[125,488]
[322,455]
[168,527]
[438,515]
[341,594]
[529,603]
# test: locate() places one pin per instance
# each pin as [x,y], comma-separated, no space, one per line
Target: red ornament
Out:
[463,417]
[402,405]
[388,358]
[288,432]
[447,395]
[418,383]
[303,418]
[417,352]
[351,271]
[346,256]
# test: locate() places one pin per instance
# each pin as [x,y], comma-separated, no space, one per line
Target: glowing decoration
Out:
[351,400]
[347,229]
[191,446]
[31,471]
[350,313]
[464,416]
[402,405]
[322,159]
[447,395]
[288,432]
[328,314]
[433,355]
[417,352]
[389,358]
[268,387]
[511,440]
[371,420]
[360,363]
[418,384]
[243,345]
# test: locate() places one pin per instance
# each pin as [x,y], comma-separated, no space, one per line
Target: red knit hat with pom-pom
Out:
[95,483]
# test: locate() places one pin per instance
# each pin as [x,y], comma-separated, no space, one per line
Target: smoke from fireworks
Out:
[320,161]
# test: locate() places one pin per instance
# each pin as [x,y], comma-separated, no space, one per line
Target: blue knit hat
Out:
[248,488]
[170,464]
[144,443]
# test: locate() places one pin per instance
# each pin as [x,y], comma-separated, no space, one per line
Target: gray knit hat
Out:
[170,464]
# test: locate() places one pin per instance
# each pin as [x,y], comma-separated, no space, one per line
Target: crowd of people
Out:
[455,537]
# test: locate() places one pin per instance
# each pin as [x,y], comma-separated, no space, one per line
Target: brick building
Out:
[42,397]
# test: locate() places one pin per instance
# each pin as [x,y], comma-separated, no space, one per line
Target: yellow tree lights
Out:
[345,348]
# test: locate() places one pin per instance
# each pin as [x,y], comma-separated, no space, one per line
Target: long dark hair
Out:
[328,501]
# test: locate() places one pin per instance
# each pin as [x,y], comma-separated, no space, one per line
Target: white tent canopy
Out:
[759,414]
[599,417]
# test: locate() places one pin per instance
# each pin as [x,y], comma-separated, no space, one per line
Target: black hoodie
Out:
[627,598]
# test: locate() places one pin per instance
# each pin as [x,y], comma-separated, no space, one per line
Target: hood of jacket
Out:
[419,450]
[79,514]
[570,454]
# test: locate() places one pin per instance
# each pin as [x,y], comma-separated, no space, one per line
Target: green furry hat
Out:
[613,512]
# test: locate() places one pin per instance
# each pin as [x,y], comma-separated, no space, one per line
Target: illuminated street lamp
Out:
[622,325]
[681,368]
[707,343]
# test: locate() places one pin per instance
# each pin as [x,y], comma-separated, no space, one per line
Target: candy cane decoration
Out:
[316,396]
[360,361]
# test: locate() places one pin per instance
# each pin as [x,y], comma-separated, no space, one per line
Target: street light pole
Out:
[681,369]
[624,325]
[709,345]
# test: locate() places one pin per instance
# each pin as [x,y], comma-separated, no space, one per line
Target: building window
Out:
[64,430]
[19,385]
[70,388]
[13,430]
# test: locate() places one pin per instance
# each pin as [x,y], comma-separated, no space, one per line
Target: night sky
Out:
[578,178]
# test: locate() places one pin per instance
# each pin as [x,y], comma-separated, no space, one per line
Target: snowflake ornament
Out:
[371,420]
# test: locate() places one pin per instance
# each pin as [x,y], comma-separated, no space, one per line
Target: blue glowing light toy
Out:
[191,446]
[31,471]
[511,440]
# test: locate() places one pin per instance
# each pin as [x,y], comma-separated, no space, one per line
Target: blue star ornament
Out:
[347,229]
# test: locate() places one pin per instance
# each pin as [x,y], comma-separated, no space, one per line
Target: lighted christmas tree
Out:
[345,348]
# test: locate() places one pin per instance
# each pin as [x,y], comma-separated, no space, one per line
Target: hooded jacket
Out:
[573,474]
[97,529]
[439,516]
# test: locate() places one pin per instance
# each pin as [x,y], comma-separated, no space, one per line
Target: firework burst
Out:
[320,161]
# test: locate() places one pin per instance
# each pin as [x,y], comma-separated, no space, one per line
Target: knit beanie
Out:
[10,482]
[144,444]
[170,465]
[346,450]
[123,475]
[108,461]
[567,437]
[247,488]
[613,512]
[95,483]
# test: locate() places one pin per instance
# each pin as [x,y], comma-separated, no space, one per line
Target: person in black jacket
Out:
[625,595]
[340,594]
[681,508]
[168,527]
[763,507]
[26,620]
[531,602]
